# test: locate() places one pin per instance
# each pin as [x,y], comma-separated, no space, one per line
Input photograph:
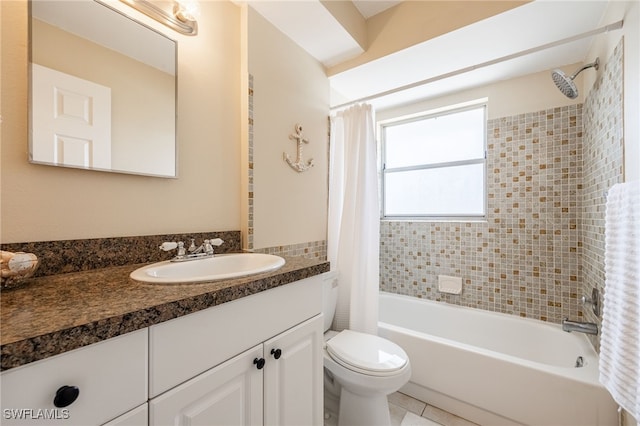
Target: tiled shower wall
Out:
[524,259]
[527,258]
[603,146]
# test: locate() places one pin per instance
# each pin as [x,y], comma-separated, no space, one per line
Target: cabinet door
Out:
[293,381]
[136,417]
[229,394]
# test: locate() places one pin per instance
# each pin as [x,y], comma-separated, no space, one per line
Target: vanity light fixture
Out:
[179,15]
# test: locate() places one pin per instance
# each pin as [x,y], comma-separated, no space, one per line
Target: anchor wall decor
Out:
[299,165]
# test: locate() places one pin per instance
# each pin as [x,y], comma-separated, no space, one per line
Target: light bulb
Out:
[187,10]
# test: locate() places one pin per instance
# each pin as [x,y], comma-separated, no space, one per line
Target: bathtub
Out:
[496,369]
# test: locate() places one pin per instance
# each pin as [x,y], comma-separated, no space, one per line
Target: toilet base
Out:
[357,410]
[331,399]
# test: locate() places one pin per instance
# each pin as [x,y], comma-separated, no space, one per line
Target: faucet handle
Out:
[171,245]
[167,246]
[216,242]
[208,248]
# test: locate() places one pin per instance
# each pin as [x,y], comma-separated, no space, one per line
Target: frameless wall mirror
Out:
[102,90]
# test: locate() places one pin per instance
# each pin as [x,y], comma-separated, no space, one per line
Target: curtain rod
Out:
[615,26]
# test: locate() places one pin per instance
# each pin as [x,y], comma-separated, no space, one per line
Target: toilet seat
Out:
[366,353]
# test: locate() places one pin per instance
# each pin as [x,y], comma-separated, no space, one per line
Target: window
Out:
[434,166]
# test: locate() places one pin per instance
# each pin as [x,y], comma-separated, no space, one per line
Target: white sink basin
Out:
[219,267]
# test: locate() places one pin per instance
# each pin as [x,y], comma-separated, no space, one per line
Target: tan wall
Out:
[49,203]
[289,87]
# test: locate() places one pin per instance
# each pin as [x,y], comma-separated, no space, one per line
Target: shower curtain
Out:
[354,223]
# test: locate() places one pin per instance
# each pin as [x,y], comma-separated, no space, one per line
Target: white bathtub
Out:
[496,369]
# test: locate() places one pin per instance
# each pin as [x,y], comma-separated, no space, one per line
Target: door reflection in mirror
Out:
[103,90]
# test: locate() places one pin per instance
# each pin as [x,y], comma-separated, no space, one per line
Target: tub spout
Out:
[582,327]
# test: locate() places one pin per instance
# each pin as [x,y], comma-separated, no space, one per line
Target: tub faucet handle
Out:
[594,301]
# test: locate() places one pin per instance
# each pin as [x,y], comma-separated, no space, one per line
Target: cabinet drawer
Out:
[111,377]
[185,347]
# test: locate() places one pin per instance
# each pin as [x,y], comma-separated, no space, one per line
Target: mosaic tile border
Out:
[312,250]
[250,168]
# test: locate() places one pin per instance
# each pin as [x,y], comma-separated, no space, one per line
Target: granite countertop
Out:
[58,313]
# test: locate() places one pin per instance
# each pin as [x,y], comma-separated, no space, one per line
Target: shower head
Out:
[566,84]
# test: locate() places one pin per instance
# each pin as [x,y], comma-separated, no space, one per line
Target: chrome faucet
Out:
[582,327]
[204,250]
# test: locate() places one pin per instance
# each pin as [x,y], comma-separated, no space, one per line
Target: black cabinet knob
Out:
[259,362]
[277,353]
[65,396]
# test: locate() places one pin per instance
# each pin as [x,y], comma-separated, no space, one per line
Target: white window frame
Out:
[425,116]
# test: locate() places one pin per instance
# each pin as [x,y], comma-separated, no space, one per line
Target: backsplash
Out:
[541,247]
[59,257]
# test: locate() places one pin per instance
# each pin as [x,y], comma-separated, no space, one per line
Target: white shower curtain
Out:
[354,223]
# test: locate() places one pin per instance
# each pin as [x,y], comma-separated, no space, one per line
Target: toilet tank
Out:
[329,297]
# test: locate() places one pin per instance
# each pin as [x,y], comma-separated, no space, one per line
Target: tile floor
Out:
[407,411]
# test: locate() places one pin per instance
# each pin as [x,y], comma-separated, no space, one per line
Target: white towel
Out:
[620,340]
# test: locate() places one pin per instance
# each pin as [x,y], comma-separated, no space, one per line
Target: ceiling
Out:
[534,37]
[369,8]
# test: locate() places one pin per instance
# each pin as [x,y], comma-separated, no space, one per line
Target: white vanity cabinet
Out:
[275,383]
[110,379]
[251,361]
[256,360]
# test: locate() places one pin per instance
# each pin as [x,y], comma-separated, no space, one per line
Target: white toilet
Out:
[360,369]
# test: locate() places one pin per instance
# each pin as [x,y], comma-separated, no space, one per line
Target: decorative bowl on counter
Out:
[16,268]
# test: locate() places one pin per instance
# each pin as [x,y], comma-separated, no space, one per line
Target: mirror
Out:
[102,90]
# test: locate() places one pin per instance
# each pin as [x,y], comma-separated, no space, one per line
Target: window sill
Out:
[435,219]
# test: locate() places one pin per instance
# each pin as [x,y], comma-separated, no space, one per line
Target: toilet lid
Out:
[366,353]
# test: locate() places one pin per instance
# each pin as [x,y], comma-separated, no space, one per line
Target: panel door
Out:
[229,394]
[136,417]
[293,382]
[71,120]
